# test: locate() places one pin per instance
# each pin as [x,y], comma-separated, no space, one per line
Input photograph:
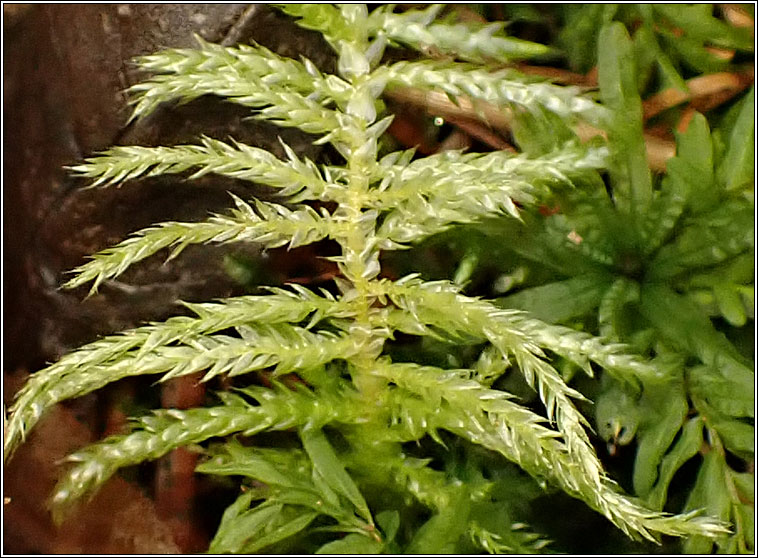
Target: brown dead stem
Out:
[438,104]
[558,75]
[736,16]
[705,92]
[175,481]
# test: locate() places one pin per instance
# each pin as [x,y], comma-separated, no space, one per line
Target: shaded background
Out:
[65,69]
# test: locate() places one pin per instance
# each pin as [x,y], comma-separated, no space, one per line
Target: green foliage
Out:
[656,260]
[632,185]
[346,481]
[668,41]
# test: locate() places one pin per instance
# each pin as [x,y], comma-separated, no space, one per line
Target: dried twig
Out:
[477,129]
[705,92]
[175,482]
[737,16]
[436,103]
[237,31]
[558,75]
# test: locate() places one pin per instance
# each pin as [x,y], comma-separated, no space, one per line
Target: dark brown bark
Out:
[66,68]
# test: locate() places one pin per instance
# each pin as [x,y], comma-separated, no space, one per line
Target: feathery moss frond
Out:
[156,435]
[250,76]
[581,348]
[324,18]
[424,302]
[216,354]
[518,434]
[431,194]
[627,514]
[500,328]
[502,88]
[416,297]
[238,160]
[471,42]
[447,393]
[404,177]
[209,61]
[524,543]
[184,346]
[272,226]
[417,217]
[414,28]
[275,103]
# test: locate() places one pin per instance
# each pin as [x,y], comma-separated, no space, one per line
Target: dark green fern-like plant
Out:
[668,39]
[651,261]
[357,409]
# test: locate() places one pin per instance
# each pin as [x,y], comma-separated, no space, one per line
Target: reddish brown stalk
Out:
[457,139]
[118,400]
[175,481]
[705,92]
[736,16]
[725,54]
[436,103]
[558,75]
[465,13]
[477,129]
